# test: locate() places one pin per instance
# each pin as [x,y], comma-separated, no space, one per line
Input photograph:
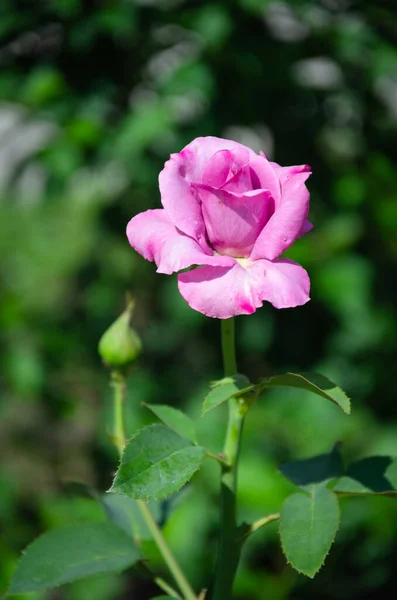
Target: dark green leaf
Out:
[308,525]
[70,553]
[175,419]
[311,382]
[224,389]
[156,462]
[373,475]
[317,469]
[76,488]
[124,512]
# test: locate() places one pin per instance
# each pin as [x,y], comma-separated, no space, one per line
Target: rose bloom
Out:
[229,214]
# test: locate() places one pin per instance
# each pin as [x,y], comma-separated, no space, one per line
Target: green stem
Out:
[167,588]
[217,458]
[228,349]
[261,523]
[119,384]
[166,553]
[230,541]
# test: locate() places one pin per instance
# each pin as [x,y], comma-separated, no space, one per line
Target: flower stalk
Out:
[118,436]
[230,540]
[119,386]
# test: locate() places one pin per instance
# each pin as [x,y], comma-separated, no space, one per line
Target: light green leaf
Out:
[316,469]
[156,462]
[70,553]
[373,475]
[308,525]
[175,419]
[311,382]
[224,389]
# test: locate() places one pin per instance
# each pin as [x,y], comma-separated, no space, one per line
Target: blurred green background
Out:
[95,94]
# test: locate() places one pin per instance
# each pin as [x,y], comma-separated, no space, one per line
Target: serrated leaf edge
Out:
[54,587]
[264,384]
[161,497]
[330,546]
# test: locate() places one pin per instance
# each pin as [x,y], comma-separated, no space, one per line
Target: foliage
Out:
[156,462]
[308,525]
[72,552]
[94,98]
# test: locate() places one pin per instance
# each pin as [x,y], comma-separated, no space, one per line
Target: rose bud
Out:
[120,345]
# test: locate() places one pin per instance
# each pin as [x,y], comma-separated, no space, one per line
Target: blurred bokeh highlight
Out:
[94,97]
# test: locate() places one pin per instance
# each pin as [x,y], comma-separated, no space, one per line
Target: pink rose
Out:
[232,212]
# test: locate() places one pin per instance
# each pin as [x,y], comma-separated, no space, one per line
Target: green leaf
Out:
[175,419]
[308,525]
[311,382]
[224,389]
[373,475]
[70,553]
[156,462]
[76,488]
[124,512]
[317,469]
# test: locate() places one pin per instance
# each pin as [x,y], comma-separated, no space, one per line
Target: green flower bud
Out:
[120,345]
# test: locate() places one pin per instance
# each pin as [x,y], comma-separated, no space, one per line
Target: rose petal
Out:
[185,167]
[233,221]
[188,166]
[217,168]
[266,177]
[285,173]
[306,227]
[223,166]
[153,235]
[227,292]
[284,283]
[220,292]
[287,222]
[200,150]
[178,200]
[243,181]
